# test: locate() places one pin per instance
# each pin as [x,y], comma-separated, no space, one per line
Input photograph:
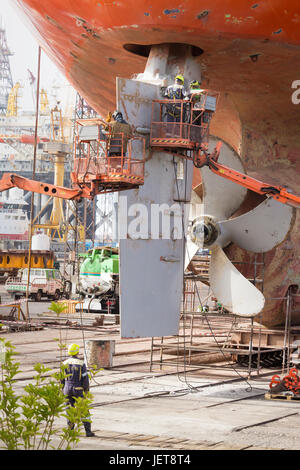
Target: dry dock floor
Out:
[171,407]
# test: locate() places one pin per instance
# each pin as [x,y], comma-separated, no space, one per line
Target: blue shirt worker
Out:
[76,382]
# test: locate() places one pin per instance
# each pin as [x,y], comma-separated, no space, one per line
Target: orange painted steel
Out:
[184,134]
[176,134]
[279,193]
[250,53]
[66,26]
[107,160]
[101,165]
[23,139]
[190,130]
[92,41]
[11,180]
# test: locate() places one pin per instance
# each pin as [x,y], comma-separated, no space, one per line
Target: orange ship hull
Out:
[249,51]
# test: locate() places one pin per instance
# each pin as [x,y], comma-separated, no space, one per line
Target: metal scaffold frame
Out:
[84,111]
[80,217]
[211,337]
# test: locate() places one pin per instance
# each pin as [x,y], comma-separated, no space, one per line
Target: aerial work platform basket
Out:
[104,161]
[107,160]
[183,124]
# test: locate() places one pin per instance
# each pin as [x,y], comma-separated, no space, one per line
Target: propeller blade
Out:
[221,197]
[231,288]
[260,229]
[191,248]
[196,206]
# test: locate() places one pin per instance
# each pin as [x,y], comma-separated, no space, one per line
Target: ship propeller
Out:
[259,230]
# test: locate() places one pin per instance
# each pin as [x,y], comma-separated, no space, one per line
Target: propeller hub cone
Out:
[204,231]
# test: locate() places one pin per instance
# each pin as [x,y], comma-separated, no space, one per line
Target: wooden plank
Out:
[270,396]
[158,441]
[262,448]
[110,434]
[259,423]
[143,437]
[173,440]
[128,437]
[224,446]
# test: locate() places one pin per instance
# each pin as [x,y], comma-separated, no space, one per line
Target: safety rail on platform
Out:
[115,161]
[183,123]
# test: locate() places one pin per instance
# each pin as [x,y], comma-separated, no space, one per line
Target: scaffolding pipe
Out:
[33,177]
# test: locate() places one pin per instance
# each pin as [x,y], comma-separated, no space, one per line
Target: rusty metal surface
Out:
[251,54]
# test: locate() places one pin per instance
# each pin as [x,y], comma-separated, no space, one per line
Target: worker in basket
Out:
[118,133]
[76,383]
[196,97]
[198,114]
[176,112]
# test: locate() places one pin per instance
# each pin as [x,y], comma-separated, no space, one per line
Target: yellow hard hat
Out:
[195,84]
[73,349]
[180,77]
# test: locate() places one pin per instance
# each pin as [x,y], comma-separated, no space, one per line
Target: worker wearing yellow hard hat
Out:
[76,382]
[195,85]
[175,112]
[73,349]
[195,109]
[180,78]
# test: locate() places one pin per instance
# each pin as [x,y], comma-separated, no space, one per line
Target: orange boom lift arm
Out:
[279,193]
[203,158]
[11,180]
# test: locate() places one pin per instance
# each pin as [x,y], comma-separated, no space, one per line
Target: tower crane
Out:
[12,103]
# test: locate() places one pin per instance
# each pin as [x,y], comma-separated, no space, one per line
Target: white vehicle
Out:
[42,283]
[13,216]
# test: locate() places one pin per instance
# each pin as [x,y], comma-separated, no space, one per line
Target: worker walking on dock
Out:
[76,382]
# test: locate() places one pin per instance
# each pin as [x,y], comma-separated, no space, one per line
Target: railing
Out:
[108,157]
[183,123]
[183,134]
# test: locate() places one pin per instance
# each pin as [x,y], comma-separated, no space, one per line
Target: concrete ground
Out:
[170,408]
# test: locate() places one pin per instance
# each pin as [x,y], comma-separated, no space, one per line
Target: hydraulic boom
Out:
[279,193]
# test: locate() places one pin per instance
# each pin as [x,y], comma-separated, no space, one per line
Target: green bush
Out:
[27,421]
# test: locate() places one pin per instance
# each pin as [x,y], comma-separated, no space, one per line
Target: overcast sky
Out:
[25,48]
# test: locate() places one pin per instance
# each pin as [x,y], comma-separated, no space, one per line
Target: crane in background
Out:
[6,81]
[12,102]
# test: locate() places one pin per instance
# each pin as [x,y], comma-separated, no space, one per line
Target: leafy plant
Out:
[28,420]
[58,308]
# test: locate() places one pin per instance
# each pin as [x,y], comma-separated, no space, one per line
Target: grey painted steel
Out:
[195,210]
[221,197]
[231,288]
[190,250]
[260,229]
[151,270]
[88,132]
